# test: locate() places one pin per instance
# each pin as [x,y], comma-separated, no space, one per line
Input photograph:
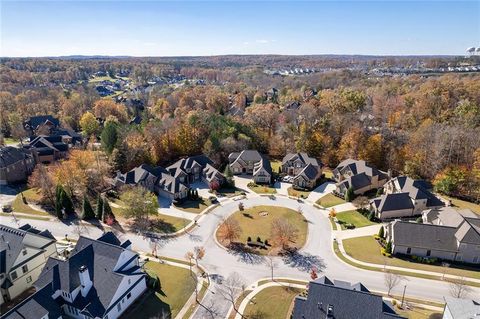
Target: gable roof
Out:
[245,156]
[263,163]
[343,299]
[10,155]
[303,157]
[395,201]
[416,190]
[310,172]
[35,121]
[358,167]
[188,163]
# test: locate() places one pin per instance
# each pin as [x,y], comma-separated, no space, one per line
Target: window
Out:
[29,279]
[476,259]
[409,250]
[129,295]
[428,253]
[24,252]
[119,306]
[129,281]
[13,275]
[123,300]
[25,268]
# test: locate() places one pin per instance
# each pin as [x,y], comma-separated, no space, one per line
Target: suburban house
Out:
[24,252]
[358,175]
[195,169]
[100,279]
[341,300]
[155,179]
[446,233]
[456,308]
[48,149]
[253,163]
[41,125]
[403,197]
[305,170]
[16,165]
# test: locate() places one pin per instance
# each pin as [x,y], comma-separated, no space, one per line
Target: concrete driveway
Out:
[7,194]
[241,181]
[320,191]
[282,188]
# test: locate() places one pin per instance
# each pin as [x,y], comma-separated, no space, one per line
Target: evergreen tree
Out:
[350,194]
[99,209]
[388,247]
[58,201]
[87,210]
[381,232]
[229,176]
[107,211]
[109,136]
[67,203]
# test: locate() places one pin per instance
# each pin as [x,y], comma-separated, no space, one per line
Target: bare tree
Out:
[230,230]
[270,262]
[283,233]
[199,253]
[232,288]
[79,228]
[392,280]
[459,288]
[361,202]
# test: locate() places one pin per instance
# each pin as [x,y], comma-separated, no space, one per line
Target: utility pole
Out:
[403,296]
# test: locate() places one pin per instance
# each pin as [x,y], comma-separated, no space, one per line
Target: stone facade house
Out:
[445,233]
[304,169]
[16,165]
[48,149]
[196,169]
[403,197]
[100,279]
[358,175]
[251,162]
[341,300]
[24,252]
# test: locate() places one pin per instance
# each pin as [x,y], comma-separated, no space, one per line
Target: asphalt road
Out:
[220,263]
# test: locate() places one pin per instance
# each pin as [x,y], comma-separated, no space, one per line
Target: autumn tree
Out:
[89,124]
[42,180]
[283,233]
[230,230]
[105,108]
[139,203]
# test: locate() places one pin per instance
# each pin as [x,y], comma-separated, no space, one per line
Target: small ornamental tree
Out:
[381,232]
[313,273]
[214,185]
[87,210]
[332,213]
[388,247]
[241,207]
[350,194]
[99,208]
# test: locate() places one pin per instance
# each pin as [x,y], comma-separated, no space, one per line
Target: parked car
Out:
[7,209]
[213,199]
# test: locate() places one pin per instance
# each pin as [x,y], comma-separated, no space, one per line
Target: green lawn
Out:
[416,313]
[33,197]
[272,303]
[11,141]
[263,189]
[367,249]
[330,200]
[353,217]
[464,204]
[229,192]
[297,193]
[328,173]
[105,78]
[254,225]
[176,285]
[194,206]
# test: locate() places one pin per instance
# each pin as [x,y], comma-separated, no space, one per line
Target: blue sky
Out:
[170,28]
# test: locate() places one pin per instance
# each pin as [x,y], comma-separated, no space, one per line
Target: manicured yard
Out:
[297,193]
[176,286]
[33,197]
[464,204]
[368,250]
[230,192]
[194,206]
[353,217]
[10,141]
[330,200]
[416,313]
[328,173]
[272,303]
[263,189]
[256,222]
[275,165]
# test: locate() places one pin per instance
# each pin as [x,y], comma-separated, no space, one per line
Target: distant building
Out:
[48,149]
[461,308]
[358,175]
[24,252]
[251,162]
[341,300]
[100,279]
[41,124]
[16,165]
[445,233]
[403,197]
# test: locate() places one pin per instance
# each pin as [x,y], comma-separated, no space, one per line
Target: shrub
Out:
[349,195]
[249,239]
[376,237]
[259,239]
[394,302]
[371,216]
[419,220]
[388,247]
[381,232]
[240,206]
[266,242]
[349,226]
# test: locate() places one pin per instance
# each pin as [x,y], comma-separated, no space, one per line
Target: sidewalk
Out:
[408,270]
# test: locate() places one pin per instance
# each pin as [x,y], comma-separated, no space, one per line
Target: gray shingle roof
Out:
[395,201]
[345,300]
[302,157]
[10,155]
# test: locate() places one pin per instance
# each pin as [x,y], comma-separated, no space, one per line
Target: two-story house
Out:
[304,169]
[41,124]
[23,254]
[446,233]
[48,149]
[403,197]
[251,162]
[100,279]
[359,176]
[16,165]
[195,169]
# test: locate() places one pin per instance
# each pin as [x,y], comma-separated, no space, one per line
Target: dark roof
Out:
[246,156]
[358,167]
[310,171]
[263,163]
[10,155]
[188,162]
[395,201]
[34,121]
[303,157]
[357,181]
[345,301]
[417,189]
[427,236]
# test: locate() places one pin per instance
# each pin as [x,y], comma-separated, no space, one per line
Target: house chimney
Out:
[330,311]
[85,281]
